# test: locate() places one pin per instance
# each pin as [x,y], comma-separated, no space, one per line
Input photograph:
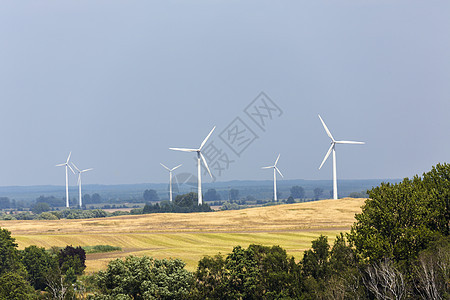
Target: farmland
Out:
[191,236]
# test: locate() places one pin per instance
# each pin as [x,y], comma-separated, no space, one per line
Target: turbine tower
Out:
[79,182]
[66,164]
[332,148]
[199,157]
[170,179]
[275,170]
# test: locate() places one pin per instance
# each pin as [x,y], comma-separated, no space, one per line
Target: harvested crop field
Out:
[191,236]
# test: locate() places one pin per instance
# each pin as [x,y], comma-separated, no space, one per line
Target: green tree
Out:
[400,220]
[47,216]
[317,193]
[145,278]
[14,287]
[40,207]
[96,198]
[186,200]
[71,257]
[258,272]
[297,192]
[37,262]
[9,255]
[315,260]
[290,200]
[211,195]
[150,195]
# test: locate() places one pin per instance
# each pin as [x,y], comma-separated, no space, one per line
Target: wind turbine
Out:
[199,156]
[170,179]
[275,170]
[79,182]
[333,144]
[66,164]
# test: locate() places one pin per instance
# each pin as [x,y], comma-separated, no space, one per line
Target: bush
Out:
[145,278]
[101,249]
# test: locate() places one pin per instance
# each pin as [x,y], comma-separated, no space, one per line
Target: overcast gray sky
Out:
[119,82]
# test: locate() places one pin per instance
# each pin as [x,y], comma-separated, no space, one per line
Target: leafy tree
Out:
[234,194]
[13,286]
[209,277]
[290,200]
[315,260]
[96,198]
[51,200]
[258,272]
[47,216]
[40,207]
[211,195]
[150,195]
[71,257]
[297,192]
[317,193]
[37,262]
[87,199]
[9,255]
[186,200]
[400,220]
[145,278]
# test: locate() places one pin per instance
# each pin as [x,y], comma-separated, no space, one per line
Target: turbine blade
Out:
[277,159]
[70,168]
[79,178]
[349,142]
[326,156]
[204,141]
[68,157]
[279,172]
[269,167]
[206,165]
[184,149]
[75,167]
[165,167]
[176,167]
[85,170]
[326,129]
[60,165]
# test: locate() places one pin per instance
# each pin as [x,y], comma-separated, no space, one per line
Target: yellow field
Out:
[191,236]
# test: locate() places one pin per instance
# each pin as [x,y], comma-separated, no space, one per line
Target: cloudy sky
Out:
[119,82]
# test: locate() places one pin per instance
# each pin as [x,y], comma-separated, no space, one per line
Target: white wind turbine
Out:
[170,179]
[66,164]
[275,170]
[333,144]
[79,182]
[199,156]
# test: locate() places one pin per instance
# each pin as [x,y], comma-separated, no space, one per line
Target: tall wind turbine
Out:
[332,148]
[199,156]
[79,182]
[66,164]
[170,179]
[275,170]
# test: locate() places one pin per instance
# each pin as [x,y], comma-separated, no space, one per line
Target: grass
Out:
[101,249]
[191,236]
